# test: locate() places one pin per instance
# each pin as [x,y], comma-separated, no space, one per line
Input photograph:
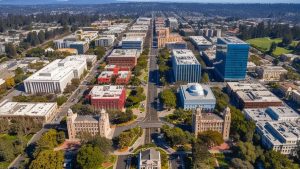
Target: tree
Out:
[297,48]
[272,48]
[48,140]
[240,164]
[4,125]
[61,100]
[100,52]
[276,160]
[246,151]
[205,78]
[275,61]
[287,39]
[200,155]
[89,157]
[168,98]
[41,36]
[10,50]
[48,159]
[75,82]
[211,138]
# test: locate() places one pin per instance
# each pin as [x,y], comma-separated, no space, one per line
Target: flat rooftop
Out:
[106,91]
[124,53]
[132,39]
[280,113]
[58,69]
[232,40]
[273,68]
[279,133]
[257,96]
[200,40]
[25,109]
[246,86]
[184,57]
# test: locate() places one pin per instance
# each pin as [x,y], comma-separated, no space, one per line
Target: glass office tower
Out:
[231,58]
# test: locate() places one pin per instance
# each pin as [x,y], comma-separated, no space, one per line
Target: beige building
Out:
[204,121]
[40,112]
[271,73]
[95,125]
[164,36]
[149,159]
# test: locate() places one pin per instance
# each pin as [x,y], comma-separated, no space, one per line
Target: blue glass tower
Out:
[231,58]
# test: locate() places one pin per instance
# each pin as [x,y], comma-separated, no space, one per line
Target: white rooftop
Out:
[25,109]
[258,96]
[278,132]
[200,40]
[124,53]
[196,91]
[246,86]
[232,40]
[184,57]
[132,39]
[58,69]
[106,91]
[281,113]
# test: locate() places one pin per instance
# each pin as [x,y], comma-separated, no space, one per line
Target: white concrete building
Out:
[41,112]
[54,77]
[105,41]
[149,159]
[200,42]
[279,136]
[133,43]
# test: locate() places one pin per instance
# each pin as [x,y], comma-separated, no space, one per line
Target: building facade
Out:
[54,77]
[231,59]
[40,112]
[271,73]
[194,95]
[185,66]
[105,41]
[94,125]
[82,47]
[108,97]
[149,159]
[124,58]
[133,43]
[206,121]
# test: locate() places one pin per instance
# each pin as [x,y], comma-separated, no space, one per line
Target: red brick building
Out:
[123,58]
[108,97]
[114,75]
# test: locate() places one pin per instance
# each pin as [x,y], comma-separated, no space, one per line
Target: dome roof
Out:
[196,89]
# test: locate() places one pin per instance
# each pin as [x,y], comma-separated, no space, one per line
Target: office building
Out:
[54,77]
[172,23]
[133,43]
[185,66]
[208,121]
[116,76]
[231,59]
[164,37]
[252,95]
[281,136]
[105,41]
[149,159]
[123,57]
[282,113]
[82,47]
[39,112]
[271,73]
[209,56]
[108,97]
[176,45]
[194,95]
[97,125]
[200,42]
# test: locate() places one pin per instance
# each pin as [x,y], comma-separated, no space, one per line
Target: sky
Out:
[224,1]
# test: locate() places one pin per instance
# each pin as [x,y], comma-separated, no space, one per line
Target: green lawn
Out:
[264,44]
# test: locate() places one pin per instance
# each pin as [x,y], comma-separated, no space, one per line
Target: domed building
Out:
[195,95]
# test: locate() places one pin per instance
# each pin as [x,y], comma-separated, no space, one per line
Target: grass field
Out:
[263,44]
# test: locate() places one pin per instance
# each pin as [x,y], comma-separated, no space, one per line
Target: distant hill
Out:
[41,2]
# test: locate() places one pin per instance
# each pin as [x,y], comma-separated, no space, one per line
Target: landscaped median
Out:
[128,138]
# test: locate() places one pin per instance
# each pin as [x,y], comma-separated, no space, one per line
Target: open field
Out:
[264,44]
